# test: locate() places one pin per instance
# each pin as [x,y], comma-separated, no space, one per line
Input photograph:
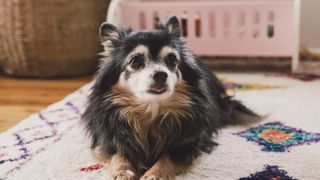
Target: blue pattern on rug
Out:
[276,137]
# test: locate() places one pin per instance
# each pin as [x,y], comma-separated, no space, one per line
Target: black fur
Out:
[211,107]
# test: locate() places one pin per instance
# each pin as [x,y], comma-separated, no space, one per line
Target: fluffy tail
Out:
[238,114]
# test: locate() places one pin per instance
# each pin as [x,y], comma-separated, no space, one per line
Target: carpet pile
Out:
[286,145]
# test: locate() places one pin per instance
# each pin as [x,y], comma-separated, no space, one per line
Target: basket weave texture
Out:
[50,38]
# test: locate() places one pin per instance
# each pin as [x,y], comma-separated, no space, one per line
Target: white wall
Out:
[310,23]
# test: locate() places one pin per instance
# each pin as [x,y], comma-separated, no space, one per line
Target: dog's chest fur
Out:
[152,123]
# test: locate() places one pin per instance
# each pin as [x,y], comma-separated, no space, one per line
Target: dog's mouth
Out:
[157,89]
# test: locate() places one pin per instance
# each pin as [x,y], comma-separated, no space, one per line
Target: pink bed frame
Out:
[221,27]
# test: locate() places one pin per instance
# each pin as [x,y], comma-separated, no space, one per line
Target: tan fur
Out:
[163,169]
[141,115]
[97,155]
[167,50]
[120,168]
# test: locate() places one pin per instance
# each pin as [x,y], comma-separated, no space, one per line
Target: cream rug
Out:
[51,144]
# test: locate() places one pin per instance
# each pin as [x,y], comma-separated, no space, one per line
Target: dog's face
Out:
[148,61]
[151,78]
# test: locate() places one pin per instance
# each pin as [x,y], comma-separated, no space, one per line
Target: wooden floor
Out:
[20,98]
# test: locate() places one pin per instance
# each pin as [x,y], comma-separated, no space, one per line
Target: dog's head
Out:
[147,61]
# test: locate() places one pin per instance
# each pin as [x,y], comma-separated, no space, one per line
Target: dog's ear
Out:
[108,32]
[173,26]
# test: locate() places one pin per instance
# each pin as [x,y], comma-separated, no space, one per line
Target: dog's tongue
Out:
[158,89]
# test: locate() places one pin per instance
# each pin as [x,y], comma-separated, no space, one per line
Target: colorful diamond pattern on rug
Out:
[276,137]
[230,86]
[269,173]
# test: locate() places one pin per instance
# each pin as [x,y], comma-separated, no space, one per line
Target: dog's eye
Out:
[137,62]
[171,60]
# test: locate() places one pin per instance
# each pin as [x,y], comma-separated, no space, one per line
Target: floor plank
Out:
[19,98]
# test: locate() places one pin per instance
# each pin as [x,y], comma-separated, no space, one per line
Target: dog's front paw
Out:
[154,177]
[124,175]
[157,177]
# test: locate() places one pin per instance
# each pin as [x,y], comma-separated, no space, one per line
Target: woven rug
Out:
[286,145]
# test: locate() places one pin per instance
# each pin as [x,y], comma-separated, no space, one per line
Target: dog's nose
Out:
[160,77]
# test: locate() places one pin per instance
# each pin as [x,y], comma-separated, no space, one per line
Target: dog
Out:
[154,108]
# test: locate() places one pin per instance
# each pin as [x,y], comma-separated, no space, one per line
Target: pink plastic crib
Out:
[221,27]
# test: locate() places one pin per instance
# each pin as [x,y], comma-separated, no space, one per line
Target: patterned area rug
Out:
[51,144]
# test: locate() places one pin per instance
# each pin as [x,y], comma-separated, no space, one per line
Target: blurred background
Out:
[48,48]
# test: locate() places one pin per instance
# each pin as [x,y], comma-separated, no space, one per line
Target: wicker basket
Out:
[50,38]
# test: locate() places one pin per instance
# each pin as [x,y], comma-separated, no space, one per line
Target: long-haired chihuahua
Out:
[154,107]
